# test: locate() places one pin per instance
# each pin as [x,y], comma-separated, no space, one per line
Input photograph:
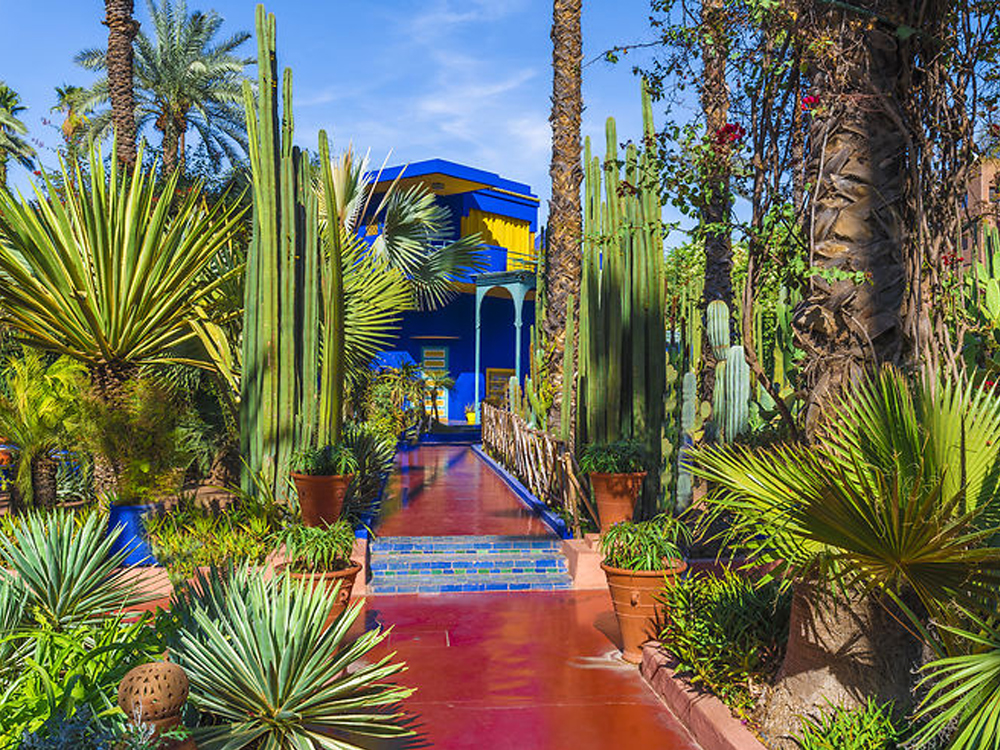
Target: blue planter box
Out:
[132,538]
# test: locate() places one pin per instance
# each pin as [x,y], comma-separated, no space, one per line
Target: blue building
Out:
[481,337]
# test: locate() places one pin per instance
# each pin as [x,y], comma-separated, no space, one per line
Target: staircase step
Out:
[459,545]
[440,584]
[501,561]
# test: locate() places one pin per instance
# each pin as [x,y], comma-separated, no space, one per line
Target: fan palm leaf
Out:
[111,275]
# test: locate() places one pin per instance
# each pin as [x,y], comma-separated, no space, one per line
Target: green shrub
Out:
[727,632]
[869,727]
[643,545]
[619,457]
[375,454]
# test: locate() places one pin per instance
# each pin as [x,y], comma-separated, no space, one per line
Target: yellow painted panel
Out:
[513,234]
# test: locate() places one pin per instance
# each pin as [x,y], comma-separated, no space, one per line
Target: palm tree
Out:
[858,152]
[118,86]
[184,79]
[565,228]
[110,275]
[886,521]
[12,145]
[412,228]
[68,99]
[37,409]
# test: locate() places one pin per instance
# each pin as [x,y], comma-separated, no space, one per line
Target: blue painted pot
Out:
[132,537]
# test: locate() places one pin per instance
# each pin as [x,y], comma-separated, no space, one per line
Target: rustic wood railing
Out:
[540,461]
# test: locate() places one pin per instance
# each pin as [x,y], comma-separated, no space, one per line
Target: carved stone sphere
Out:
[154,694]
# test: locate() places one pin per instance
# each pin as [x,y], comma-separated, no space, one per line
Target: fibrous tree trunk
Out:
[43,480]
[122,29]
[856,158]
[109,382]
[840,652]
[565,218]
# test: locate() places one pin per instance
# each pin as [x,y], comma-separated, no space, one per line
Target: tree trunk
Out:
[122,29]
[3,171]
[170,144]
[850,320]
[839,653]
[565,218]
[109,384]
[43,480]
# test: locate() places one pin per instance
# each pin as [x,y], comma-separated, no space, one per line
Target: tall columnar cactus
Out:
[565,412]
[291,385]
[737,387]
[717,316]
[622,314]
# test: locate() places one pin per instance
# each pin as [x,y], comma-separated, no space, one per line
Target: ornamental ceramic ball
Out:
[154,694]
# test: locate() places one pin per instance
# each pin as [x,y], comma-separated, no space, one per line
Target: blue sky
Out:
[466,80]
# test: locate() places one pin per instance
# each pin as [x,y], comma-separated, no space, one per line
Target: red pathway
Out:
[521,671]
[445,490]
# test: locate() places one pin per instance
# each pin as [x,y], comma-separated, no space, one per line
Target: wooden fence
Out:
[541,462]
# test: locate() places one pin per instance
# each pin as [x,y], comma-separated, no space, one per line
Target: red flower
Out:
[809,101]
[729,133]
[37,173]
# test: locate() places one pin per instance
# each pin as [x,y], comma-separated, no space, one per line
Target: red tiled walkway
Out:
[531,671]
[444,490]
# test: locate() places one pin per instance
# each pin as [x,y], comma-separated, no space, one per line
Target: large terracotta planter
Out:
[321,498]
[615,496]
[330,579]
[634,595]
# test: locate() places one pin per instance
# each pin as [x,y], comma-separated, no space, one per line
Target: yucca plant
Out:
[109,272]
[66,570]
[267,672]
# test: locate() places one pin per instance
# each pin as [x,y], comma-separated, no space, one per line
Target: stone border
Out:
[706,717]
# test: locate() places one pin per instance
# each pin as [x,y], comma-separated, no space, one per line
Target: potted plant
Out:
[616,474]
[321,477]
[639,558]
[470,413]
[321,555]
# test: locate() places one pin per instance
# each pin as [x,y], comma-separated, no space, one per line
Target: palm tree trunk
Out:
[109,385]
[855,165]
[169,144]
[839,653]
[562,262]
[122,29]
[43,480]
[3,171]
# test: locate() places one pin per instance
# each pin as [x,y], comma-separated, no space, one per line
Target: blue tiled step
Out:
[511,561]
[444,584]
[416,565]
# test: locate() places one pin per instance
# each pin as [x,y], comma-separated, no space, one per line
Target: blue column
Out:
[480,293]
[518,292]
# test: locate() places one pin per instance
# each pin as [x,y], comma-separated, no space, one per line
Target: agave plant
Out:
[108,273]
[268,672]
[66,570]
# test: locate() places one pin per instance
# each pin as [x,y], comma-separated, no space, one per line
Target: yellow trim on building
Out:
[513,234]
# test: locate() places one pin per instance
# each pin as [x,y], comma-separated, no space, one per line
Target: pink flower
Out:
[809,101]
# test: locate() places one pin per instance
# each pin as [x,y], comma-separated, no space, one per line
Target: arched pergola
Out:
[517,284]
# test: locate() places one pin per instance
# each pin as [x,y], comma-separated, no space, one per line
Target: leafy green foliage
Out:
[278,627]
[318,549]
[644,545]
[869,727]
[618,457]
[728,633]
[376,454]
[38,410]
[188,536]
[327,461]
[142,434]
[390,399]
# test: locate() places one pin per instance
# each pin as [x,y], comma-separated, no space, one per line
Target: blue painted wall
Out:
[458,319]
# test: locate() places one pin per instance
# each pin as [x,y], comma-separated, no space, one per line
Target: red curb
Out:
[706,717]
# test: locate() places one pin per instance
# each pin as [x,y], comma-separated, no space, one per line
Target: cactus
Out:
[622,316]
[737,387]
[292,384]
[719,401]
[718,328]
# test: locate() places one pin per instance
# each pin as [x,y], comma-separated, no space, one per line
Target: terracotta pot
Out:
[321,498]
[634,595]
[329,579]
[615,495]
